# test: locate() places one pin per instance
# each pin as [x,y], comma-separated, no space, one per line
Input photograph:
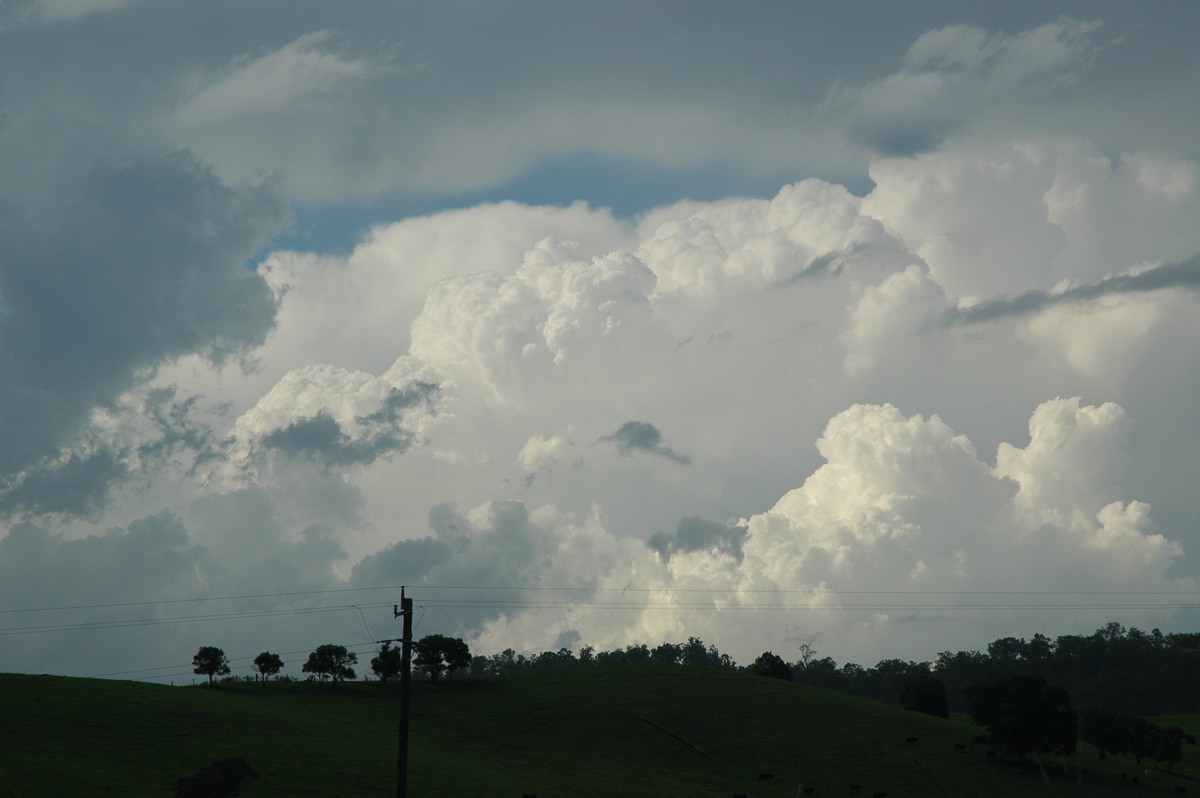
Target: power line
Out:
[249,662]
[593,590]
[130,622]
[719,600]
[200,599]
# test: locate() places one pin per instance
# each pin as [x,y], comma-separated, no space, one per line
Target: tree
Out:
[268,665]
[456,655]
[1170,745]
[1023,715]
[211,661]
[772,666]
[387,663]
[927,694]
[333,661]
[665,654]
[438,653]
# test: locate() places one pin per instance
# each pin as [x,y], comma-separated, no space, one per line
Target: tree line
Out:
[1122,670]
[434,655]
[1019,691]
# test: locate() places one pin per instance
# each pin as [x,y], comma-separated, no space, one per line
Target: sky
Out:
[871,327]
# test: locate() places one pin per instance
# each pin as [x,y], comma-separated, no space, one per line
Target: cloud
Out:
[278,82]
[57,11]
[1155,278]
[638,436]
[110,271]
[74,484]
[1084,215]
[954,73]
[699,534]
[321,438]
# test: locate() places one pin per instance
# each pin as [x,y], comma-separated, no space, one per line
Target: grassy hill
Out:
[630,731]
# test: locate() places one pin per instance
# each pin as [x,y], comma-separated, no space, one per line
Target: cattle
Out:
[765,776]
[990,754]
[911,740]
[809,790]
[1180,789]
[880,795]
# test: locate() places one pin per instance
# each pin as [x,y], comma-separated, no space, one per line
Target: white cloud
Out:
[902,505]
[538,396]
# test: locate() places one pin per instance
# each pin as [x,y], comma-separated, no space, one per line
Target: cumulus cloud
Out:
[332,417]
[895,537]
[110,271]
[1074,205]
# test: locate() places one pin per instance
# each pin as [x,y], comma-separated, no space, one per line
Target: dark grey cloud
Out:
[179,430]
[1185,274]
[956,73]
[406,562]
[74,485]
[699,534]
[112,263]
[151,559]
[78,481]
[322,439]
[502,549]
[639,436]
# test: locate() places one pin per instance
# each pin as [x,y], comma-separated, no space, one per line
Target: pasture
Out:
[603,732]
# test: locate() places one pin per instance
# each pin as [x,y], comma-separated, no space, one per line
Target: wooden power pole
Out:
[406,610]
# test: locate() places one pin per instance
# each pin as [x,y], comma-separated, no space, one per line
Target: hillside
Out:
[630,731]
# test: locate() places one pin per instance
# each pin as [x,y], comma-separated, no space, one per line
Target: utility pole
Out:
[405,609]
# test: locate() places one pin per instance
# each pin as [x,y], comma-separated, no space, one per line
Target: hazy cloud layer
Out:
[882,318]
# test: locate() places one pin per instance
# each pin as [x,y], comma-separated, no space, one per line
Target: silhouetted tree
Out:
[457,656]
[1108,731]
[268,665]
[1023,715]
[772,666]
[387,663]
[927,694]
[333,661]
[210,661]
[696,654]
[1170,745]
[438,653]
[665,654]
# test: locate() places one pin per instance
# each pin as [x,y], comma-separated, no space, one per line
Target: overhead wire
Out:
[626,599]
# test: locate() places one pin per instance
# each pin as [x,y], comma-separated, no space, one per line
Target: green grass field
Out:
[605,732]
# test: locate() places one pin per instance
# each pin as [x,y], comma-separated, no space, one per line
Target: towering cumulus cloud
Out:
[590,328]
